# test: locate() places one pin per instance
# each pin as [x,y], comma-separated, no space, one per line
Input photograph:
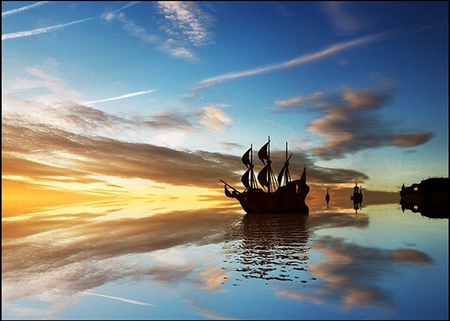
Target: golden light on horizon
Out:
[20,196]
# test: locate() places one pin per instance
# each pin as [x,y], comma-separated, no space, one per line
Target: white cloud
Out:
[213,118]
[10,12]
[324,53]
[300,100]
[119,299]
[39,31]
[138,93]
[130,26]
[340,17]
[54,88]
[188,19]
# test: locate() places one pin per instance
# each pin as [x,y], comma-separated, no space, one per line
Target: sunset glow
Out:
[121,121]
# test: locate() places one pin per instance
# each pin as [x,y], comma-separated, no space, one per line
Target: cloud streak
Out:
[127,6]
[118,299]
[138,93]
[31,6]
[66,142]
[130,26]
[39,31]
[72,140]
[324,53]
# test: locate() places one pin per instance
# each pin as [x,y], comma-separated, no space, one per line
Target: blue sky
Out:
[109,95]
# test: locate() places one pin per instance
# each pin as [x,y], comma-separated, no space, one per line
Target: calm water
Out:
[131,261]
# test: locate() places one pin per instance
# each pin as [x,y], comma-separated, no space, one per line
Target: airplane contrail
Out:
[118,298]
[119,97]
[33,32]
[10,12]
[291,63]
[126,6]
[29,33]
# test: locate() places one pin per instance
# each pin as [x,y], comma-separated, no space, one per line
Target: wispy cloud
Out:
[138,93]
[118,299]
[299,100]
[127,6]
[351,123]
[58,138]
[184,23]
[31,6]
[188,19]
[39,31]
[331,50]
[213,118]
[411,139]
[54,94]
[341,19]
[130,26]
[54,89]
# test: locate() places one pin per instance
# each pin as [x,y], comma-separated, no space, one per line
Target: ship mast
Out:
[248,179]
[252,174]
[269,176]
[284,176]
[266,177]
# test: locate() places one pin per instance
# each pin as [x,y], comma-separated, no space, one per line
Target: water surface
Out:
[137,261]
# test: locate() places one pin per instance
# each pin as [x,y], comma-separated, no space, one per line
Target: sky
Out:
[161,99]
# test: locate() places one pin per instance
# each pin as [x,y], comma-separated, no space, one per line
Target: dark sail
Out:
[245,178]
[281,174]
[227,192]
[285,171]
[263,153]
[246,158]
[262,176]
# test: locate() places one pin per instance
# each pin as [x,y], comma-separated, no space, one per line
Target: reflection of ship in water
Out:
[327,197]
[357,197]
[430,197]
[270,247]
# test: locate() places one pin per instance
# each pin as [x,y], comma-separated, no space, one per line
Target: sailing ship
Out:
[357,197]
[327,197]
[266,193]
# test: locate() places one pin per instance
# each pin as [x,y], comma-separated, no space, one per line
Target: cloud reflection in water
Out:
[209,252]
[51,257]
[274,248]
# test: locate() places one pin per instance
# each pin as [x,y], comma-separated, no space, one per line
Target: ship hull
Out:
[277,195]
[286,199]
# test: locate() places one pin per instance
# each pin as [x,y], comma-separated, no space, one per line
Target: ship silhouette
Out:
[266,193]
